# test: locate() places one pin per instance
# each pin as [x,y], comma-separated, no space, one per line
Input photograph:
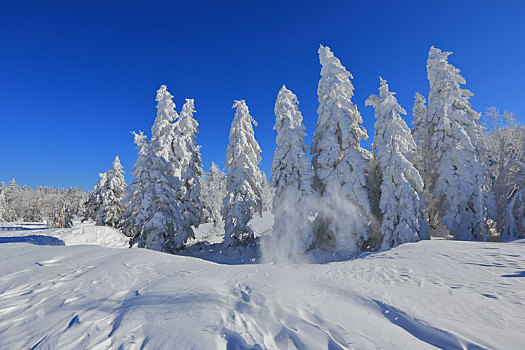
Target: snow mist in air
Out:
[293,237]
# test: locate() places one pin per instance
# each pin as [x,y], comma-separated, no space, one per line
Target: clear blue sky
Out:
[77,76]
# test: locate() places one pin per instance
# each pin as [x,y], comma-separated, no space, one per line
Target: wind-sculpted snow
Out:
[430,294]
[83,234]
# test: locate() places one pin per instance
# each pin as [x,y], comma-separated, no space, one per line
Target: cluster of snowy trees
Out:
[23,203]
[449,175]
[441,177]
[170,194]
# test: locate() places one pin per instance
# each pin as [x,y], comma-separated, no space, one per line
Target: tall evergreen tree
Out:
[188,163]
[162,130]
[420,133]
[421,160]
[243,183]
[291,175]
[339,163]
[457,178]
[151,204]
[401,201]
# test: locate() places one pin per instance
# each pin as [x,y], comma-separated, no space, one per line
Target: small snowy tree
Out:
[401,202]
[15,201]
[188,165]
[243,183]
[109,194]
[33,212]
[152,210]
[291,175]
[339,163]
[505,155]
[4,216]
[458,180]
[213,192]
[93,205]
[267,193]
[61,217]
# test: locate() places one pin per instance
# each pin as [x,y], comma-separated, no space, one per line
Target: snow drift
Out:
[444,294]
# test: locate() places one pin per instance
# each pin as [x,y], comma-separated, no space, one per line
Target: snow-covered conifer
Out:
[152,211]
[401,202]
[61,217]
[188,165]
[3,207]
[162,132]
[15,201]
[110,193]
[291,175]
[420,133]
[94,200]
[339,163]
[458,179]
[243,183]
[267,193]
[422,160]
[213,192]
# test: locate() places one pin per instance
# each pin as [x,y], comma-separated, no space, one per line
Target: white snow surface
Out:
[80,234]
[424,295]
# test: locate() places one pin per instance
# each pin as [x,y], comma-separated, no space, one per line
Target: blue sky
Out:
[77,76]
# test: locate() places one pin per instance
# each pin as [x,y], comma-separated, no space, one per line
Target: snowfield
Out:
[430,294]
[80,234]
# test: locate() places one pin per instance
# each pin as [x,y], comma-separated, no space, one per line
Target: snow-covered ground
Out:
[80,234]
[444,294]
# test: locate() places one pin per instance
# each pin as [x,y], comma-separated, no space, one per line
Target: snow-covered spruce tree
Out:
[457,178]
[243,183]
[15,201]
[421,159]
[93,204]
[162,130]
[420,134]
[4,216]
[61,217]
[110,193]
[213,192]
[188,166]
[401,201]
[339,163]
[290,174]
[152,214]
